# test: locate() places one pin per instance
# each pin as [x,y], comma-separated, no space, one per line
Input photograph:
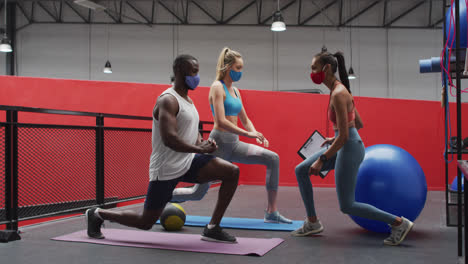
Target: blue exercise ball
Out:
[450,31]
[390,179]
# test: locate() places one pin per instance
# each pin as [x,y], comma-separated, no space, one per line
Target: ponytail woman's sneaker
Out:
[308,228]
[276,218]
[399,233]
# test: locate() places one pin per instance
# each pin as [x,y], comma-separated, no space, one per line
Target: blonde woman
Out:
[226,106]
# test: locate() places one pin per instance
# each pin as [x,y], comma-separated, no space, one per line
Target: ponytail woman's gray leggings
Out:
[346,164]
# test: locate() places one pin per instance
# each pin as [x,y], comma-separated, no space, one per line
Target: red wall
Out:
[286,119]
[416,126]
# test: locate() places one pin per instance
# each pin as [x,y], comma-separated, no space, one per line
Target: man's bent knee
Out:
[234,173]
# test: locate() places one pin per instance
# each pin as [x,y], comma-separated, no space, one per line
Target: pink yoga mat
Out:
[174,241]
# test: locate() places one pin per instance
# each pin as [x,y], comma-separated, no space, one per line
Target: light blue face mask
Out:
[192,81]
[235,76]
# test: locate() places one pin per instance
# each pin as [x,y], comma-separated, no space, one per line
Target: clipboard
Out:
[311,146]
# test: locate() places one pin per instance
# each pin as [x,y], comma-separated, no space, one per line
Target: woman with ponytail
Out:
[344,155]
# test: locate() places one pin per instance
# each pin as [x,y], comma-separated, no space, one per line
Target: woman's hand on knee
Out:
[316,167]
[265,142]
[257,135]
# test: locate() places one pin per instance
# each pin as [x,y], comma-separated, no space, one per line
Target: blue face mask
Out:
[235,76]
[192,81]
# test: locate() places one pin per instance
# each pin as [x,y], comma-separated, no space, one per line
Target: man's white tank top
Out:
[165,163]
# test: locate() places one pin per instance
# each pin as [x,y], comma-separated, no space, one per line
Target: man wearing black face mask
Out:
[175,141]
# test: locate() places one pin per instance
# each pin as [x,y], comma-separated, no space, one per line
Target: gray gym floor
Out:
[341,242]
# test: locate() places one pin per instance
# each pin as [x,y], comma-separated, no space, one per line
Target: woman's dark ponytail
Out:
[342,70]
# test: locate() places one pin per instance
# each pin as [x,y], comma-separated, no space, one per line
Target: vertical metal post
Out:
[11,170]
[430,14]
[340,15]
[458,83]
[11,33]
[459,131]
[446,105]
[100,160]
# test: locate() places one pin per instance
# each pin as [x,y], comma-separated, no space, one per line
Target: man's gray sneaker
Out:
[216,234]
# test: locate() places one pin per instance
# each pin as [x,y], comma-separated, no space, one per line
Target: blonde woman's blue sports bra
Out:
[232,106]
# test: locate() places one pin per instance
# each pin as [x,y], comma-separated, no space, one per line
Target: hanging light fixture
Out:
[351,75]
[324,48]
[278,21]
[107,66]
[5,45]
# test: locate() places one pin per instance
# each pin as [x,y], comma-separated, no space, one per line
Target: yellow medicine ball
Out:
[173,217]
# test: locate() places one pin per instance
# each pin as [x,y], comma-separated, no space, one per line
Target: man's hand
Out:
[208,146]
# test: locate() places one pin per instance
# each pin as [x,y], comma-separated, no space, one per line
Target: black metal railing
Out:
[50,169]
[2,173]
